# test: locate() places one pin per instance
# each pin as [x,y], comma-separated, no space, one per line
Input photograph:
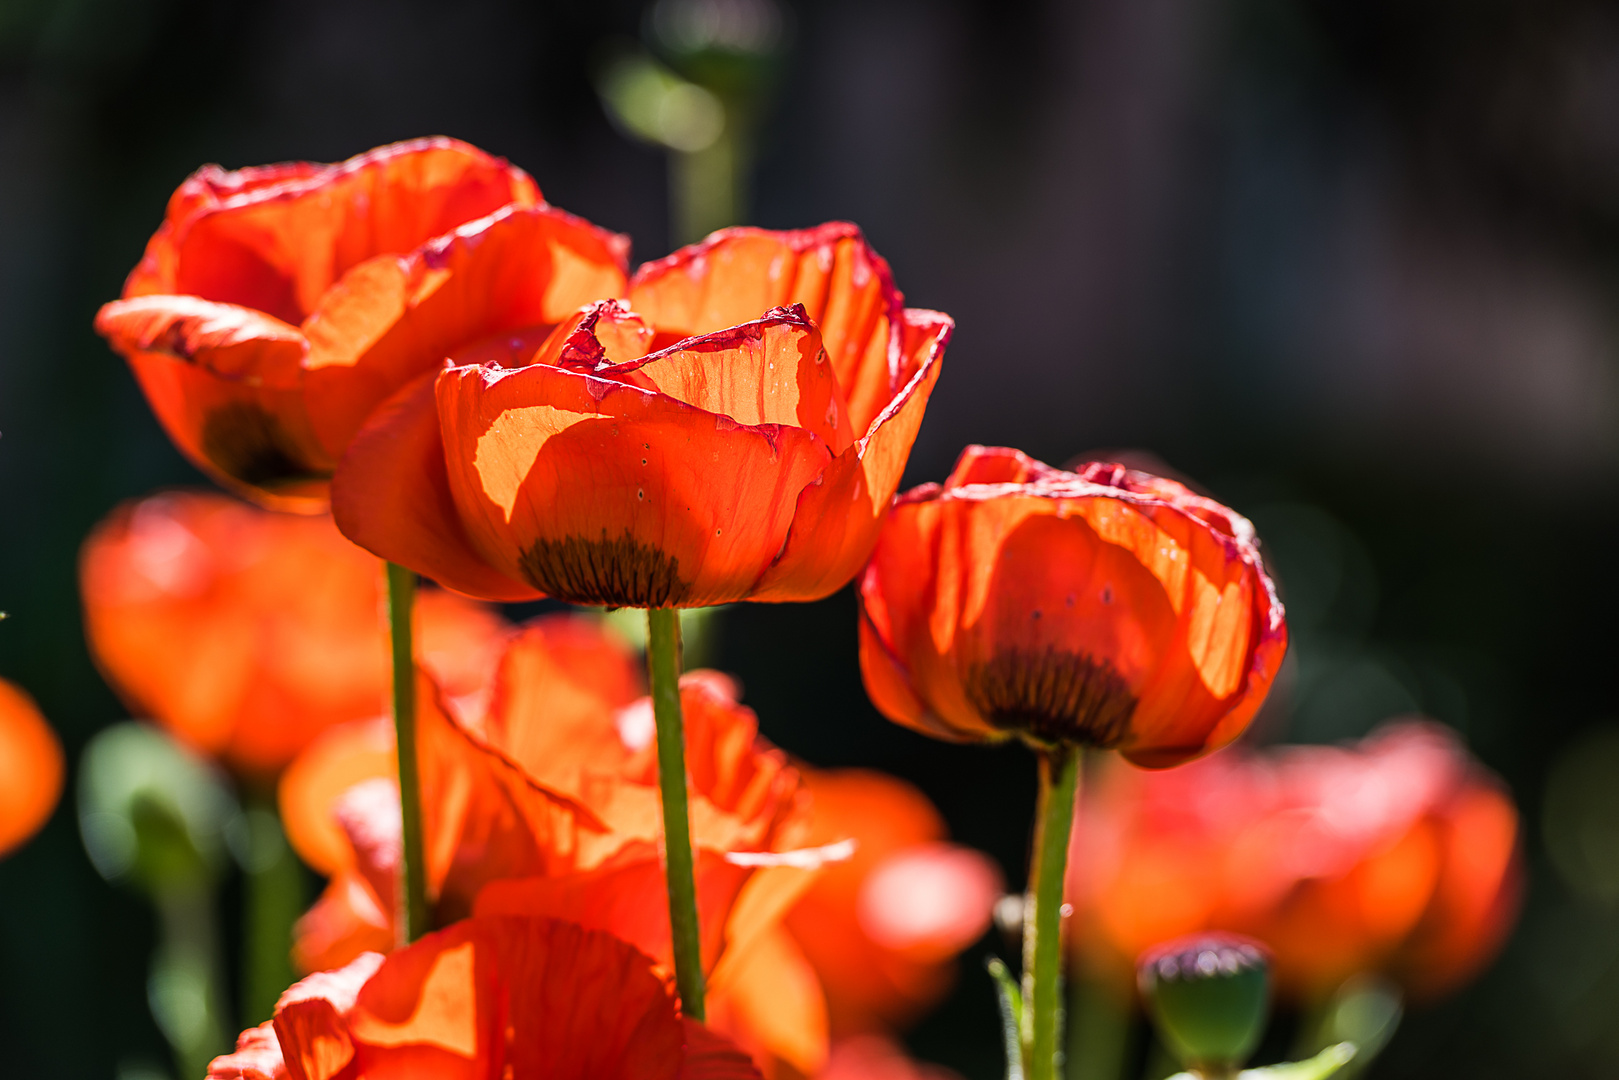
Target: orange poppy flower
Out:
[735,431]
[1398,855]
[1106,607]
[276,307]
[247,633]
[30,768]
[882,929]
[524,998]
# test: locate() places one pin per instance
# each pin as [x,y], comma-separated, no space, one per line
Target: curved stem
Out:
[1042,914]
[412,921]
[663,667]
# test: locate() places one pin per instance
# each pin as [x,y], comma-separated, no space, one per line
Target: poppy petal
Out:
[257,1057]
[225,384]
[774,996]
[711,1056]
[279,247]
[627,898]
[391,495]
[769,371]
[597,492]
[340,758]
[531,998]
[735,274]
[392,317]
[485,819]
[205,189]
[230,342]
[837,520]
[311,1020]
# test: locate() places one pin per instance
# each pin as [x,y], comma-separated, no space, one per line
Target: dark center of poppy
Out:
[618,573]
[1052,695]
[249,443]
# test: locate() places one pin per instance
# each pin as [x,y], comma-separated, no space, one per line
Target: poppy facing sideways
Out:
[734,430]
[276,307]
[1399,855]
[30,768]
[247,633]
[1107,607]
[523,998]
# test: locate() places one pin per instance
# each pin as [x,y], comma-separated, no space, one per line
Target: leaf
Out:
[1011,1002]
[1322,1065]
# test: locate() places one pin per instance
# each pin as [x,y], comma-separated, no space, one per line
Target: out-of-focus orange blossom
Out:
[1398,855]
[30,767]
[882,929]
[247,633]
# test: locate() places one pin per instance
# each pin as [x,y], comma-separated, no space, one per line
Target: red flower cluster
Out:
[417,332]
[1398,855]
[476,387]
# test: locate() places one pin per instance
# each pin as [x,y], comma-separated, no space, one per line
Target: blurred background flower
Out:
[1348,265]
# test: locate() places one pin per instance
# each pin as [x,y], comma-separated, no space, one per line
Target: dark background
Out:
[1351,265]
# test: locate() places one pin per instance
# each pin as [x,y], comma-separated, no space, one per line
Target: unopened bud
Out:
[1209,995]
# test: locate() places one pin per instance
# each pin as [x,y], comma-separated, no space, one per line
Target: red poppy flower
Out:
[1398,855]
[30,768]
[882,928]
[246,633]
[524,998]
[1106,607]
[702,444]
[277,306]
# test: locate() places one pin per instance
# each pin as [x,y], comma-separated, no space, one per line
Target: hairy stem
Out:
[1042,915]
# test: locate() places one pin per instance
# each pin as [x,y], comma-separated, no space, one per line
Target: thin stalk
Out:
[663,668]
[412,921]
[1042,914]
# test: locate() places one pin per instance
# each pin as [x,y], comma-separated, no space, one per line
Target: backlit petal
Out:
[393,317]
[837,520]
[392,497]
[736,274]
[278,247]
[597,492]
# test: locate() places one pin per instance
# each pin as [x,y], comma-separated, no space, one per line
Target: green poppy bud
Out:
[1209,995]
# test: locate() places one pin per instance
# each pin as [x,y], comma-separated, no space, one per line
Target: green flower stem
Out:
[663,667]
[413,915]
[1042,914]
